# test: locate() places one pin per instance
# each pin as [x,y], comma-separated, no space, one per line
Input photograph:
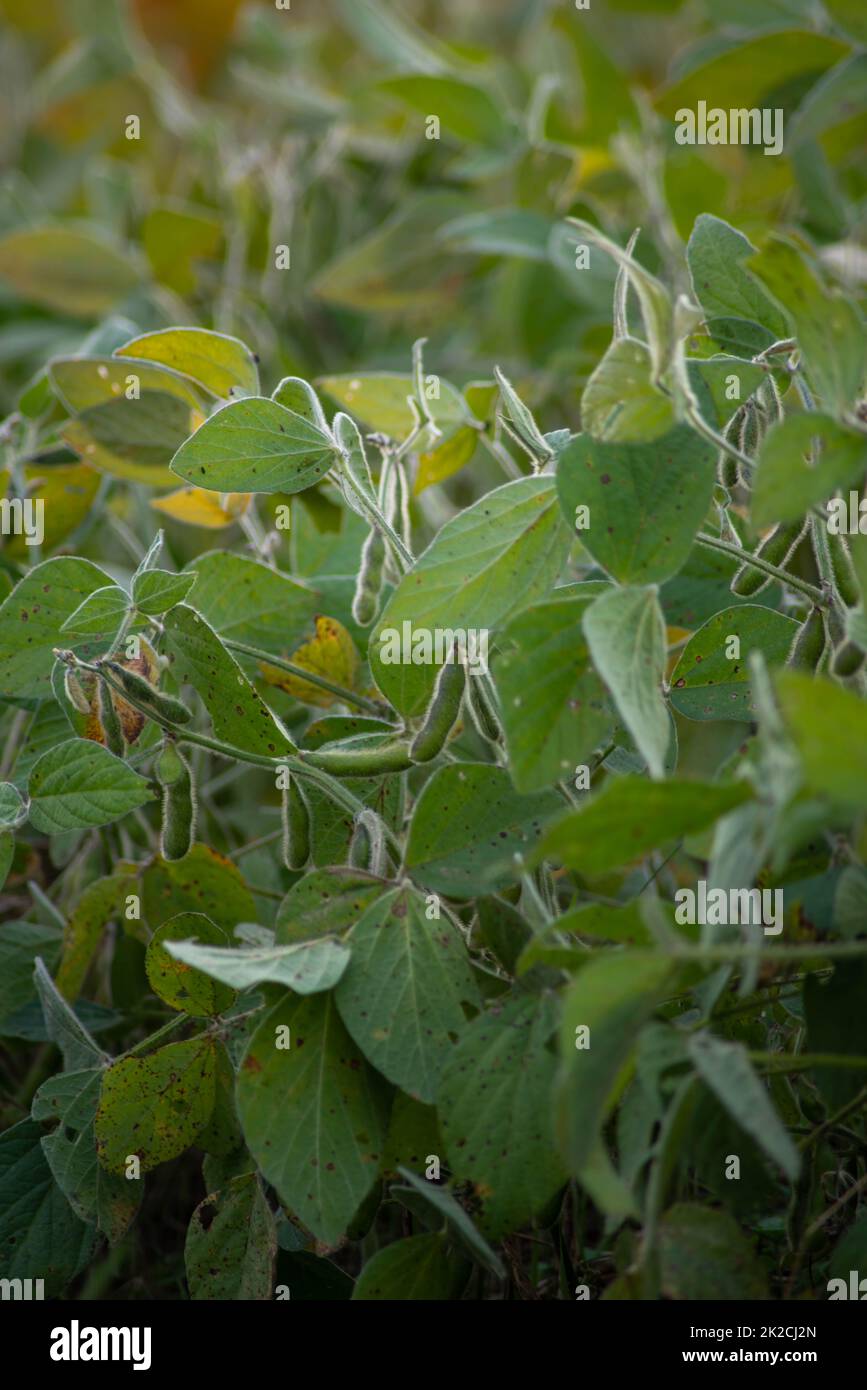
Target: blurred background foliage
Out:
[305,127]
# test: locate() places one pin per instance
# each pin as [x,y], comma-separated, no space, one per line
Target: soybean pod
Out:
[775,549]
[108,718]
[367,846]
[393,756]
[481,709]
[368,586]
[296,826]
[152,701]
[810,642]
[441,713]
[848,659]
[843,570]
[173,773]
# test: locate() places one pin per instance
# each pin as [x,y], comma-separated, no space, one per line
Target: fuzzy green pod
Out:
[173,773]
[843,570]
[481,710]
[441,713]
[152,701]
[367,846]
[110,722]
[848,659]
[393,756]
[810,641]
[365,604]
[296,826]
[775,549]
[729,472]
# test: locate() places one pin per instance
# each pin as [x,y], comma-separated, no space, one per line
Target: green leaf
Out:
[403,995]
[13,809]
[723,287]
[220,364]
[79,1049]
[83,383]
[254,445]
[305,967]
[465,110]
[749,73]
[553,705]
[621,404]
[413,1136]
[786,485]
[427,1199]
[849,14]
[625,631]
[419,1267]
[500,232]
[31,618]
[203,881]
[656,306]
[79,783]
[501,553]
[631,816]
[231,1244]
[238,712]
[325,902]
[471,831]
[828,726]
[7,852]
[63,268]
[155,1107]
[613,996]
[314,1114]
[156,591]
[703,1254]
[133,439]
[94,1195]
[725,1067]
[494,1105]
[400,264]
[829,329]
[837,1023]
[646,501]
[20,944]
[708,684]
[379,401]
[175,979]
[245,601]
[40,1235]
[598,921]
[100,614]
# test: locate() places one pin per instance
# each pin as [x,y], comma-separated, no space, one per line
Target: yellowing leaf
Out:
[331,653]
[196,507]
[447,458]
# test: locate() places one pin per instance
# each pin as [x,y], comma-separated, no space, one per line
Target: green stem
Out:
[311,677]
[833,1120]
[745,558]
[375,517]
[805,1061]
[700,425]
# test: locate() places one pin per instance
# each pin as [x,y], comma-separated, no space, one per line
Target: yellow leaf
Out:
[331,653]
[449,456]
[195,507]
